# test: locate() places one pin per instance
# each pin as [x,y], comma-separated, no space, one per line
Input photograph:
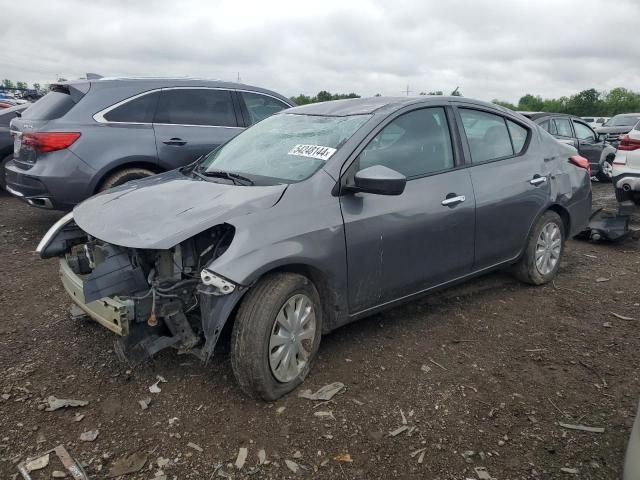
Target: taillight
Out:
[581,162]
[43,142]
[628,144]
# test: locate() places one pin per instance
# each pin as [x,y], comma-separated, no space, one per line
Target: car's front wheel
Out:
[276,335]
[541,259]
[606,171]
[3,178]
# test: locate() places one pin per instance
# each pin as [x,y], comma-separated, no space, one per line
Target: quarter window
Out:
[260,106]
[583,132]
[138,110]
[487,135]
[196,106]
[414,144]
[563,127]
[519,136]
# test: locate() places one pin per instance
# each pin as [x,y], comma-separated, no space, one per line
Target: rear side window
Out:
[487,135]
[196,106]
[563,127]
[138,110]
[260,106]
[53,105]
[519,136]
[583,132]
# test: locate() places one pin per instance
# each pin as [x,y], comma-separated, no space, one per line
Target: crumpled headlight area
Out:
[221,286]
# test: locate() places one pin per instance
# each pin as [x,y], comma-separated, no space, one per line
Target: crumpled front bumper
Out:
[111,313]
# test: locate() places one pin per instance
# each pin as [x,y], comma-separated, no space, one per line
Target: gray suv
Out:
[87,136]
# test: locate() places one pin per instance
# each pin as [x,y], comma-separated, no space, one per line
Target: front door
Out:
[399,245]
[190,122]
[510,182]
[588,144]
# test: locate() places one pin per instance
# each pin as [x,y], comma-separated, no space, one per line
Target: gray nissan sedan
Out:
[316,217]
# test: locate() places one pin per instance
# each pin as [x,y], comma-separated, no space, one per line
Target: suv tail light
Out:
[43,142]
[628,144]
[581,162]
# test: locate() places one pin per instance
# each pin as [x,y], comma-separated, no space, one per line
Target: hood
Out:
[161,211]
[623,129]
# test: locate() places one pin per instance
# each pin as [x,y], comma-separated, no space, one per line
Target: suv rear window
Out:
[138,110]
[53,105]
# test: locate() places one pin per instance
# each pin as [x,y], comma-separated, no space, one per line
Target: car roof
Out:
[369,105]
[627,115]
[539,115]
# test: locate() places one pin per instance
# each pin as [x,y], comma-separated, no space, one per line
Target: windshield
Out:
[621,121]
[284,148]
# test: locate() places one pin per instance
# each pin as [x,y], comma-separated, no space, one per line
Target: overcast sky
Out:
[491,49]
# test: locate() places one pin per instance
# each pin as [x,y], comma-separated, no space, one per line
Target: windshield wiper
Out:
[234,177]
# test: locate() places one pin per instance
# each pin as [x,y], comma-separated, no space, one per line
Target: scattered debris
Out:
[436,364]
[89,435]
[155,388]
[425,368]
[262,457]
[398,431]
[57,403]
[242,457]
[58,474]
[279,410]
[573,471]
[37,463]
[297,454]
[602,279]
[582,428]
[78,417]
[343,457]
[417,452]
[357,402]
[144,403]
[128,464]
[162,462]
[482,473]
[621,317]
[607,325]
[195,446]
[328,415]
[325,393]
[421,457]
[404,419]
[291,465]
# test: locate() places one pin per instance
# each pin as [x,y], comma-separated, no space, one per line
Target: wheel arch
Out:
[105,174]
[564,215]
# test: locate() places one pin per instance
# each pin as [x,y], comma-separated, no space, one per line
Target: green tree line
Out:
[11,85]
[584,103]
[322,96]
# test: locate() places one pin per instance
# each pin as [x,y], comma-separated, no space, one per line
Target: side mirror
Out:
[380,180]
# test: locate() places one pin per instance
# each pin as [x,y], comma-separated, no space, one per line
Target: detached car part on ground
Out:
[317,217]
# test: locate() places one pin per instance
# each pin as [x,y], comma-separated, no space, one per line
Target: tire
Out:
[527,270]
[123,176]
[601,175]
[622,196]
[3,178]
[255,325]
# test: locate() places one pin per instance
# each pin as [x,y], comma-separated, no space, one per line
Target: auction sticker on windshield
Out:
[313,151]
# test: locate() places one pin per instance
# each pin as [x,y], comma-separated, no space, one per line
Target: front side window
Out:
[196,106]
[487,135]
[285,148]
[583,132]
[563,127]
[414,144]
[260,106]
[138,110]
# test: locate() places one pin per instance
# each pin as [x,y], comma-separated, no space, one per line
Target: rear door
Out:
[399,245]
[510,181]
[190,122]
[563,131]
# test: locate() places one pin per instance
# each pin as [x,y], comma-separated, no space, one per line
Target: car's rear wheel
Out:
[123,176]
[541,259]
[606,172]
[276,335]
[3,178]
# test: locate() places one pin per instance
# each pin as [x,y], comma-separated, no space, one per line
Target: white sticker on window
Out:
[313,151]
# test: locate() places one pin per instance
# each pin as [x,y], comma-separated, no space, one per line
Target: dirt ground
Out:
[482,374]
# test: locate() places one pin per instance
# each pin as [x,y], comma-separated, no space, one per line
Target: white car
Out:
[626,166]
[595,122]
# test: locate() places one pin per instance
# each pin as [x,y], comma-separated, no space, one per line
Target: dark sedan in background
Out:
[576,132]
[316,217]
[6,141]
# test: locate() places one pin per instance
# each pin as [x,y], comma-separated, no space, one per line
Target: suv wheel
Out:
[541,259]
[276,335]
[605,174]
[3,178]
[123,176]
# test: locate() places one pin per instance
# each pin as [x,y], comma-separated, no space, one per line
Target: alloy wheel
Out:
[548,248]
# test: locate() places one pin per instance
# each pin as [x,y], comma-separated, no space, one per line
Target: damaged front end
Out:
[152,299]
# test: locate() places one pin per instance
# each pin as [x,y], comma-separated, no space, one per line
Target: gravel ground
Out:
[481,375]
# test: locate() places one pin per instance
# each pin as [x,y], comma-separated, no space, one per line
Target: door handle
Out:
[174,141]
[453,201]
[537,180]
